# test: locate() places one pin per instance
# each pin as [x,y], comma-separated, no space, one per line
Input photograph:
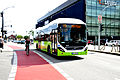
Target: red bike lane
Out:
[34,67]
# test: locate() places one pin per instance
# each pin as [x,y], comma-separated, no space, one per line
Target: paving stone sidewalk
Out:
[6,59]
[104,49]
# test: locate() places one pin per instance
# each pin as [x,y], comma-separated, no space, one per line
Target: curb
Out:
[14,68]
[118,54]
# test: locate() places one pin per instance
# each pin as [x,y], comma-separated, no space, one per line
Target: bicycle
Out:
[27,49]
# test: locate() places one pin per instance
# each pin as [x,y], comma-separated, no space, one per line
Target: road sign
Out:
[99,18]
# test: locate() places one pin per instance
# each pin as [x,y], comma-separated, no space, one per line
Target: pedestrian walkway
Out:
[104,49]
[6,57]
[6,48]
[34,67]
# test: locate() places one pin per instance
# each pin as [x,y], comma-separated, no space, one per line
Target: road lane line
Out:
[117,79]
[56,67]
[14,68]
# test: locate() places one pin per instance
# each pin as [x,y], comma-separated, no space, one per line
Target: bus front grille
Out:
[74,47]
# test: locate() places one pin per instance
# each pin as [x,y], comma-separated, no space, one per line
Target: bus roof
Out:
[68,20]
[63,21]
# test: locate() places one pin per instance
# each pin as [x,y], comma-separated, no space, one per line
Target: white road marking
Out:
[14,68]
[56,67]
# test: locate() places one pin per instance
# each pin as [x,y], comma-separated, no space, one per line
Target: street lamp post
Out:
[100,25]
[99,31]
[2,15]
[2,23]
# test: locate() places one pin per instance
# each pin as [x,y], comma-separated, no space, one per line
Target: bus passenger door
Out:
[54,42]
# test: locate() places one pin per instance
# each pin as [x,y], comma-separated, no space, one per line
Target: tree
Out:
[19,37]
[25,37]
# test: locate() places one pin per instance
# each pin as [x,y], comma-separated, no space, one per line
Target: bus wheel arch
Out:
[48,49]
[36,45]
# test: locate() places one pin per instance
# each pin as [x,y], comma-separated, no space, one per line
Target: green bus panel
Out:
[60,53]
[44,45]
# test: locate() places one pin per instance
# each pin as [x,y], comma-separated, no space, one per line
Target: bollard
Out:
[113,47]
[103,47]
[117,47]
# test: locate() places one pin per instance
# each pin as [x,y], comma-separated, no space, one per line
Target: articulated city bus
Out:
[63,37]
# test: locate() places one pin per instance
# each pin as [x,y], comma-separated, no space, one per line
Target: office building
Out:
[110,18]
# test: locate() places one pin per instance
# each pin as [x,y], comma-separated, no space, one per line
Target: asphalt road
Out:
[94,66]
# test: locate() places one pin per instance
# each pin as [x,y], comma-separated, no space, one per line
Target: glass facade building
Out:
[110,18]
[88,11]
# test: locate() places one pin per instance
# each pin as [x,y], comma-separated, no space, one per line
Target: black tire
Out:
[48,49]
[114,45]
[27,52]
[106,44]
[36,46]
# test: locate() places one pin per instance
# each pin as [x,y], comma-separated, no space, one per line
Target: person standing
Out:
[1,42]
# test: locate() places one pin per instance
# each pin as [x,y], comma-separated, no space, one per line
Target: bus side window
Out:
[55,38]
[48,38]
[51,38]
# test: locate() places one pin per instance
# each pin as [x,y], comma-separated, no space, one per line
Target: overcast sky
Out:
[25,13]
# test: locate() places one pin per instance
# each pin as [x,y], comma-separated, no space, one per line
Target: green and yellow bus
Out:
[63,37]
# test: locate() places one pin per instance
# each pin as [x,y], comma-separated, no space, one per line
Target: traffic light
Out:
[5,32]
[101,27]
[1,14]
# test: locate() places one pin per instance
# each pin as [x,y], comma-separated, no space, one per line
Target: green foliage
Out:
[25,37]
[19,37]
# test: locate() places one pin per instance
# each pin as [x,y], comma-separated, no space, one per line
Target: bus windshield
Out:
[72,34]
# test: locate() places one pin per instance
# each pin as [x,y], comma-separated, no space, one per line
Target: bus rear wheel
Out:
[48,50]
[36,46]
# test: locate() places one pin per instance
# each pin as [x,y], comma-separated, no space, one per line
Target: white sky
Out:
[25,13]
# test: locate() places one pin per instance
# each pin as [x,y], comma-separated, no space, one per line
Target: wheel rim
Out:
[27,52]
[49,50]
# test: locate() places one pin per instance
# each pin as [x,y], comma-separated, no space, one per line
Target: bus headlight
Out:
[61,49]
[86,48]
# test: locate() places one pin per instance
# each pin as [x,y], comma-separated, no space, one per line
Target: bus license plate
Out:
[74,53]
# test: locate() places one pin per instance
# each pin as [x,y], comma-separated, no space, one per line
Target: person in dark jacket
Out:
[1,42]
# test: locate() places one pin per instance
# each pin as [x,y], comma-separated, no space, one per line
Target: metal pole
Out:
[2,15]
[2,24]
[99,33]
[99,37]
